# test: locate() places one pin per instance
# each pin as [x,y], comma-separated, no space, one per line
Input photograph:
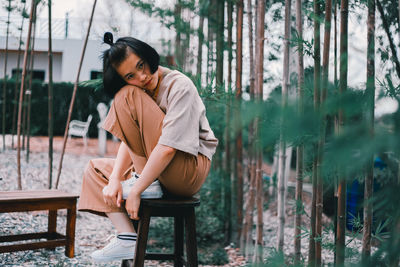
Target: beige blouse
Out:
[185,125]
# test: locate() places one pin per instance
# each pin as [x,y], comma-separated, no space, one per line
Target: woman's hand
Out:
[132,204]
[112,193]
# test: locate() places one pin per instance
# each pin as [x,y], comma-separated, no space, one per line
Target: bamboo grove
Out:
[309,119]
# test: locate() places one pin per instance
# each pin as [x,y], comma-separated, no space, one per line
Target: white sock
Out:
[127,236]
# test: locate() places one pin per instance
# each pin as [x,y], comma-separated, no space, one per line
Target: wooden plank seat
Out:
[182,210]
[51,200]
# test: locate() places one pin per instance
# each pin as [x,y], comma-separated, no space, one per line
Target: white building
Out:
[67,45]
[66,56]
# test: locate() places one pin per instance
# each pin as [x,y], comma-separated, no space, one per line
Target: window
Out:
[94,74]
[37,74]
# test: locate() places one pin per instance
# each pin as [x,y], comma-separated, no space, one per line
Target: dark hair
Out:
[117,53]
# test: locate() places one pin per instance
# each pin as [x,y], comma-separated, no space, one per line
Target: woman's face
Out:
[135,71]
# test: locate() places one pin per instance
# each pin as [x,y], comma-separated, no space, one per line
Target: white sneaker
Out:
[117,249]
[153,191]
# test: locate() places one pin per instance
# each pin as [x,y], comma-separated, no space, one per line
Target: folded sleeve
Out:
[182,119]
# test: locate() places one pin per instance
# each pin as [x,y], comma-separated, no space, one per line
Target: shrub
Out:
[87,98]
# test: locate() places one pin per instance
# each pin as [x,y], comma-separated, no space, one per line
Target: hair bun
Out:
[108,38]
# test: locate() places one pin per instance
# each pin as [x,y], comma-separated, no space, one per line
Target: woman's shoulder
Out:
[178,81]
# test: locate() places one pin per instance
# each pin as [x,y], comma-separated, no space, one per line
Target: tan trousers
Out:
[136,120]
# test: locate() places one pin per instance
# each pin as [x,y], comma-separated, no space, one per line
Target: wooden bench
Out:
[51,200]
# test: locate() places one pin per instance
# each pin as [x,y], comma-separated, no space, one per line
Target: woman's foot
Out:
[121,247]
[153,191]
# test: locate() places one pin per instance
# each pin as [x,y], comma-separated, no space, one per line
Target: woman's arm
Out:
[112,194]
[159,159]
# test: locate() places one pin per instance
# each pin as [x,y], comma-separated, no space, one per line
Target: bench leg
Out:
[191,243]
[70,231]
[52,225]
[141,242]
[178,241]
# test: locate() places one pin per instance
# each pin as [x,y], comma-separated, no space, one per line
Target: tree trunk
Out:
[239,142]
[282,147]
[341,224]
[21,96]
[258,256]
[370,91]
[50,89]
[5,77]
[29,92]
[389,35]
[17,80]
[71,106]
[220,44]
[300,148]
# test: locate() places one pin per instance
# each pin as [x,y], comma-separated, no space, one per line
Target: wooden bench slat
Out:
[33,245]
[34,195]
[29,236]
[16,206]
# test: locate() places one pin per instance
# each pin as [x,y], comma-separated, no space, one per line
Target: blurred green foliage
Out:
[87,98]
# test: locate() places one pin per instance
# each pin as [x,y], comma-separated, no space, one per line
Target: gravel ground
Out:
[91,230]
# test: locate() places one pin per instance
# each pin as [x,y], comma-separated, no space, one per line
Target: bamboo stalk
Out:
[239,141]
[50,107]
[282,147]
[17,80]
[322,132]
[315,249]
[392,45]
[259,63]
[220,44]
[336,4]
[5,77]
[341,220]
[230,42]
[245,244]
[71,106]
[370,91]
[300,148]
[200,45]
[21,96]
[29,91]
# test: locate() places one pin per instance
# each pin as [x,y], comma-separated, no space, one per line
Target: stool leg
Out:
[141,242]
[70,231]
[178,241]
[191,242]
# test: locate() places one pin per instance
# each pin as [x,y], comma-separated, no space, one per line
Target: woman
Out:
[165,138]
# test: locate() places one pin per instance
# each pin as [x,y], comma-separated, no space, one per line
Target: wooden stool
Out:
[184,216]
[51,200]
